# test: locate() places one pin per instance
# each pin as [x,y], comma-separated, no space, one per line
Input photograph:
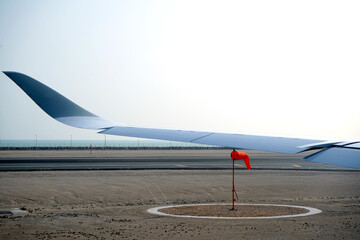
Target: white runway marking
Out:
[179,165]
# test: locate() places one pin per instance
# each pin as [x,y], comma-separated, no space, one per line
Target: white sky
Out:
[289,68]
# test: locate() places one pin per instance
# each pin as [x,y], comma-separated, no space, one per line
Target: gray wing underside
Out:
[65,111]
[240,141]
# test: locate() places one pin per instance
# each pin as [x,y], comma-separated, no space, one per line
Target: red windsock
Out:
[235,155]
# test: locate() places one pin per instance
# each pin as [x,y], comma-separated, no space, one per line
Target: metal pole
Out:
[233,190]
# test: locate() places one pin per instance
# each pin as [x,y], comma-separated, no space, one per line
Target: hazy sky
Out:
[288,68]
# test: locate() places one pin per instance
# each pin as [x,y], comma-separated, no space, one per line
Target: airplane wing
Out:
[60,108]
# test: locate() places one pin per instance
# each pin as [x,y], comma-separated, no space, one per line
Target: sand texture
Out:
[239,211]
[113,204]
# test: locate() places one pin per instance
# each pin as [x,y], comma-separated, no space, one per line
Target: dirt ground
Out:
[113,204]
[240,210]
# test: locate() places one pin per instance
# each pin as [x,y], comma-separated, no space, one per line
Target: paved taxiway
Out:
[151,159]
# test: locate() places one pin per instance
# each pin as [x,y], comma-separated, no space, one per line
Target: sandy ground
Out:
[220,210]
[113,204]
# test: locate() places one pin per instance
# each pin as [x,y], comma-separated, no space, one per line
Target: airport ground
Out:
[112,204]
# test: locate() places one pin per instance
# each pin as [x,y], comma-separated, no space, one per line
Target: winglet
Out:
[56,105]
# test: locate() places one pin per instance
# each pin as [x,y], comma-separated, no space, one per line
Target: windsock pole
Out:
[235,155]
[233,190]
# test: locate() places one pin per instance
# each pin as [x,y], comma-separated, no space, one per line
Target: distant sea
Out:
[95,143]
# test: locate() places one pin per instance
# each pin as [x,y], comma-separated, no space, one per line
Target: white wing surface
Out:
[264,143]
[65,111]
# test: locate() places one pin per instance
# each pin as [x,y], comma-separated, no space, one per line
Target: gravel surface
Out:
[239,211]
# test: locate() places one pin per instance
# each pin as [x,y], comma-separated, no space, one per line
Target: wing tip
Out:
[10,72]
[13,75]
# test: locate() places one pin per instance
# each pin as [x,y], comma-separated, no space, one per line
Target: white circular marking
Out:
[312,211]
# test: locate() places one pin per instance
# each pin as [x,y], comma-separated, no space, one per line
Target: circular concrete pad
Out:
[242,211]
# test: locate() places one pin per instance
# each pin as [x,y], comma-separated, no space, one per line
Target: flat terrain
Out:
[112,204]
[150,159]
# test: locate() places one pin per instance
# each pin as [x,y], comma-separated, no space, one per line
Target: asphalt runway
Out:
[152,159]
